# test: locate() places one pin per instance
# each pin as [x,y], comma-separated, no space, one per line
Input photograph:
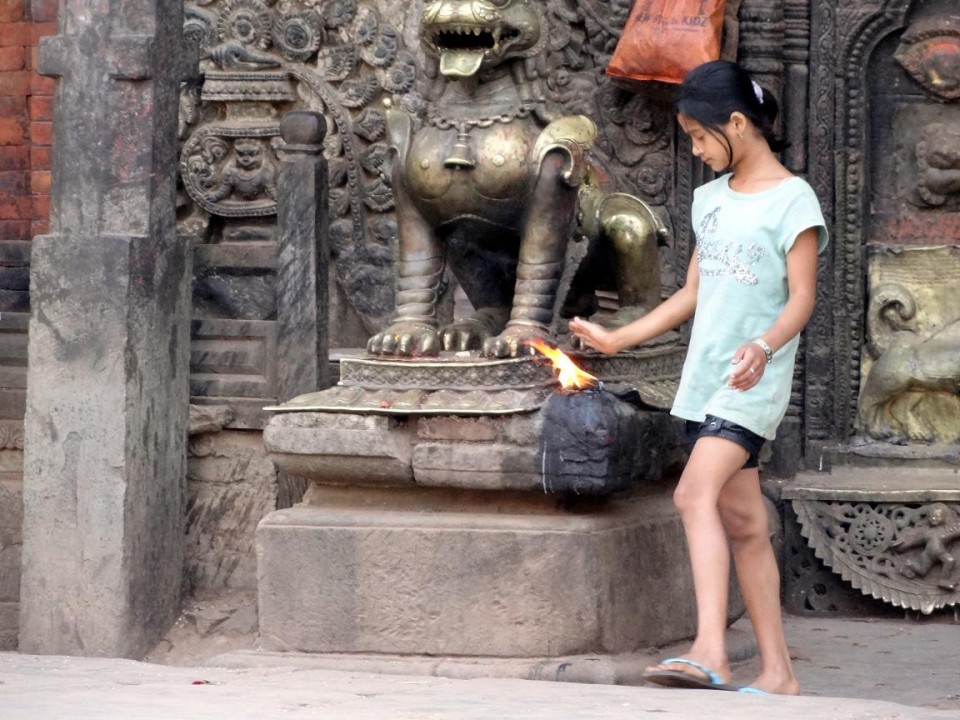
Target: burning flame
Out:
[570,376]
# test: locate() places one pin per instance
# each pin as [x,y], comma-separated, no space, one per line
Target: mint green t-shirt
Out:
[742,245]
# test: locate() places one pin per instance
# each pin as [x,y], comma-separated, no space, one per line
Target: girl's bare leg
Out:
[746,525]
[712,463]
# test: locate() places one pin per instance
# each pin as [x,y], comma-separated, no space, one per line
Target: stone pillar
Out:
[303,337]
[795,100]
[303,343]
[106,417]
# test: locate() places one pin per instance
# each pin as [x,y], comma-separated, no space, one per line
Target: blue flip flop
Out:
[680,679]
[752,690]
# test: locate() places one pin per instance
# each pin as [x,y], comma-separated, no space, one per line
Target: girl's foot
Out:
[714,668]
[777,684]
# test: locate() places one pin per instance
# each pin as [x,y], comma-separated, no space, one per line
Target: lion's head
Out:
[469,35]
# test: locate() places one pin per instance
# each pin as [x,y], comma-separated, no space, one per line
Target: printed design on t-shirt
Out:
[716,257]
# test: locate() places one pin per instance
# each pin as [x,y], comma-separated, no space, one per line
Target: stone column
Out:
[106,417]
[303,337]
[303,343]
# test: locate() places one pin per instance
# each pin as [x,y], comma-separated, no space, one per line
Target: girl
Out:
[750,287]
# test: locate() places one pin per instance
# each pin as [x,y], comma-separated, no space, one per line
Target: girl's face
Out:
[712,146]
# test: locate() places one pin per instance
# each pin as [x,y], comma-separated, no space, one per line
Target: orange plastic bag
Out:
[665,39]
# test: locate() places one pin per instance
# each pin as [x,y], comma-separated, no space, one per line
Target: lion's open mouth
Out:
[465,38]
[463,48]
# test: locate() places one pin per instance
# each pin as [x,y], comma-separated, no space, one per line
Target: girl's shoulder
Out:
[796,193]
[711,187]
[709,194]
[796,185]
[789,187]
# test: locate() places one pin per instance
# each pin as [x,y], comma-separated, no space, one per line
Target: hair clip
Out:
[758,91]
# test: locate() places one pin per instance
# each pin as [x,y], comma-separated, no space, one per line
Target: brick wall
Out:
[26,100]
[25,115]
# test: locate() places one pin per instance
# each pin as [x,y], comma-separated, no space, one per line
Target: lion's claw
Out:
[406,339]
[513,342]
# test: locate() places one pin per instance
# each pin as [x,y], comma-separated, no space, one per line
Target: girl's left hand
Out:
[750,363]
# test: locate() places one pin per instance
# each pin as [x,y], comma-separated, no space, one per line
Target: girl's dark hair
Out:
[712,92]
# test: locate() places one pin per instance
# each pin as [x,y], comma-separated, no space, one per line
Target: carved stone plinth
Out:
[464,384]
[468,507]
[452,572]
[483,424]
[892,532]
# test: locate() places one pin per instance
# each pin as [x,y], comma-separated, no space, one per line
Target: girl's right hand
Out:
[593,335]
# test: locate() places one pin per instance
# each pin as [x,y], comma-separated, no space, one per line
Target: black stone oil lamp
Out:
[593,439]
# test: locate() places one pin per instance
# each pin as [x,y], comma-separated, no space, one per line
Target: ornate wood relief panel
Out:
[881,86]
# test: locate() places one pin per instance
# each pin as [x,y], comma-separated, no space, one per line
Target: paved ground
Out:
[851,670]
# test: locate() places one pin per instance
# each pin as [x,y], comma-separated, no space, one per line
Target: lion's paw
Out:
[472,332]
[463,335]
[514,341]
[407,339]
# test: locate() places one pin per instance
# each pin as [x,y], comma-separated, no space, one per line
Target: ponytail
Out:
[769,109]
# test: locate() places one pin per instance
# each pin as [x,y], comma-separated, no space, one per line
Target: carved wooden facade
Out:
[872,103]
[883,349]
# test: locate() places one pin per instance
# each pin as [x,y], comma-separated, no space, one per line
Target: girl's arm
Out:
[673,311]
[802,287]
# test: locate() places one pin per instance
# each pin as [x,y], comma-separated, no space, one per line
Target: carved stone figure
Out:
[942,528]
[497,186]
[231,170]
[938,163]
[908,368]
[248,174]
[231,55]
[888,550]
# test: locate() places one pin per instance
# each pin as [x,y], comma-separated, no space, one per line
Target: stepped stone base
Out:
[608,669]
[472,573]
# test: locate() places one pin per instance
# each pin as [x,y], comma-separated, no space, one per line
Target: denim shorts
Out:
[718,427]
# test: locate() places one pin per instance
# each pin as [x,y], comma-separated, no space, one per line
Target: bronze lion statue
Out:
[488,183]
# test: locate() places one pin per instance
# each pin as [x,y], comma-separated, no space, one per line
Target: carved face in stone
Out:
[467,35]
[249,154]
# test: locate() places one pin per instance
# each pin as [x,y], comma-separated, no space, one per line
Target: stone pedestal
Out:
[476,510]
[447,572]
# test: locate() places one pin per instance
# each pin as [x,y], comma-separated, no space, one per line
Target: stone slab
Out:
[342,448]
[579,444]
[865,453]
[493,466]
[888,484]
[446,572]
